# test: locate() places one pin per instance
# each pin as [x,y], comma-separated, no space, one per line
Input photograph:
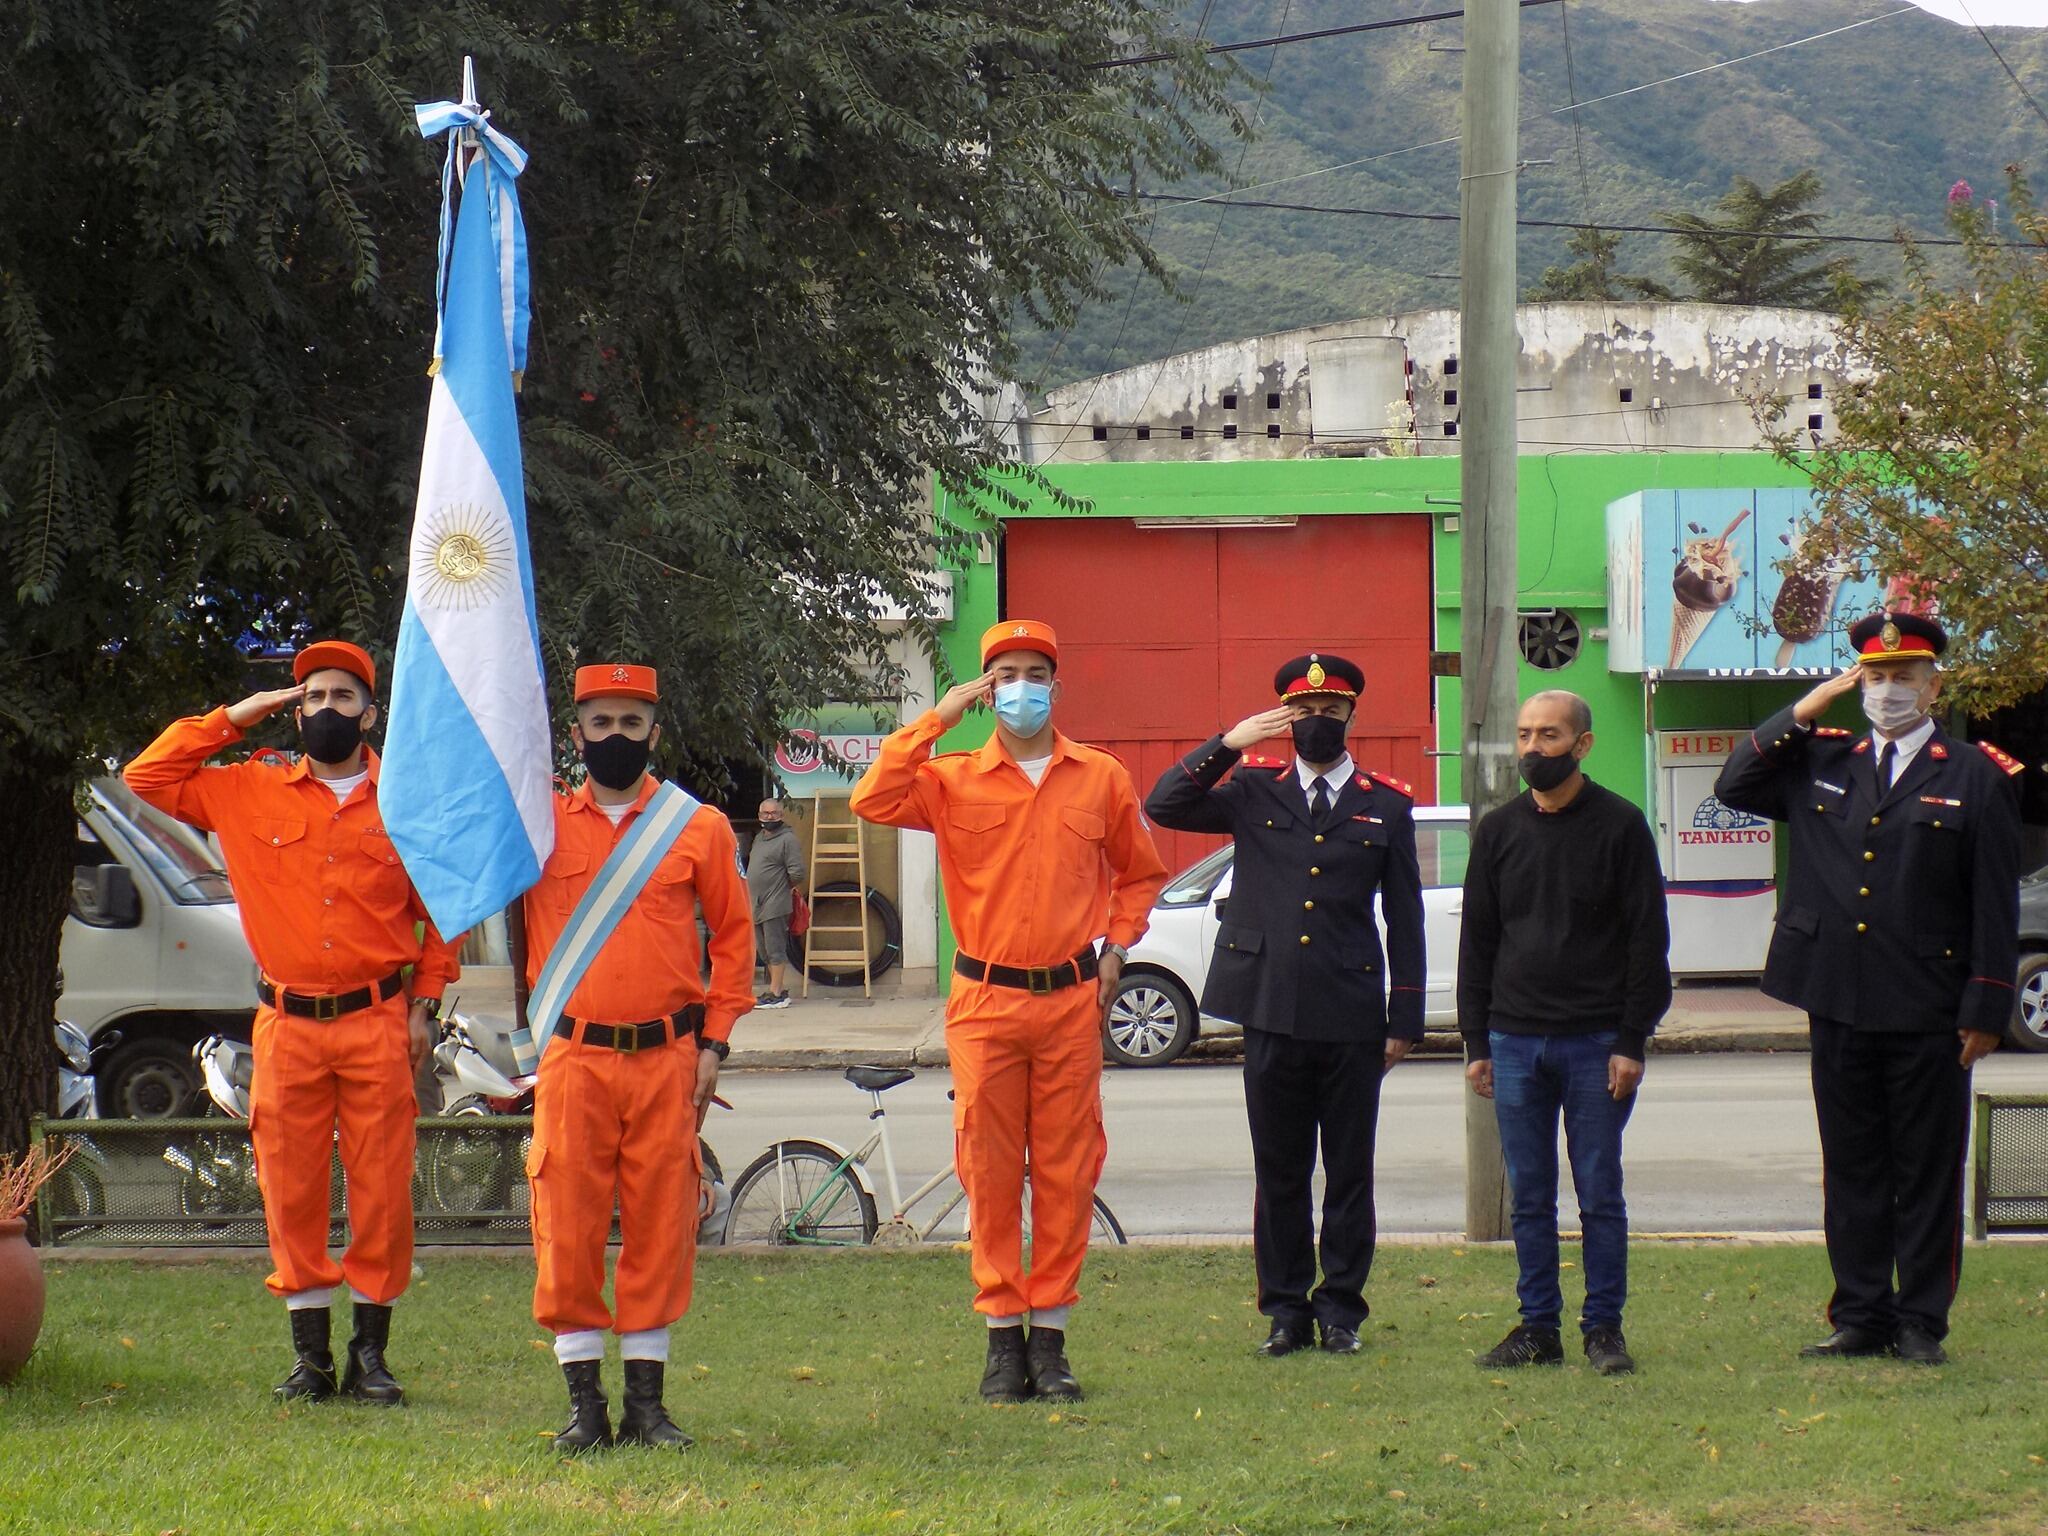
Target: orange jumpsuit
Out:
[619,1124]
[1033,876]
[327,909]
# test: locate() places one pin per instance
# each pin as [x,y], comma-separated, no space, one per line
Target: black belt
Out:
[688,1020]
[1029,978]
[334,1004]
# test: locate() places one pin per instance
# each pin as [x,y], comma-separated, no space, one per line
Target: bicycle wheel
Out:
[1104,1228]
[798,1192]
[1107,1229]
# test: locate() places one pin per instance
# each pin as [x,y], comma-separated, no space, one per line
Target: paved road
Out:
[1718,1143]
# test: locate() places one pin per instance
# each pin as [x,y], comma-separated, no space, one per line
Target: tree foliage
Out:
[1591,274]
[1938,468]
[1748,251]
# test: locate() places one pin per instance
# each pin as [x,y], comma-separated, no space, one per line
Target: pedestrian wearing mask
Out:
[1898,933]
[775,871]
[1298,963]
[1563,974]
[1042,852]
[340,1025]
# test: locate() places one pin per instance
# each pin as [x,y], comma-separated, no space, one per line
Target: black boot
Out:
[312,1377]
[643,1420]
[590,1421]
[1045,1360]
[366,1379]
[1005,1380]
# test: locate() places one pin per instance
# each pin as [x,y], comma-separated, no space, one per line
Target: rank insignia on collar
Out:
[1889,637]
[1863,745]
[1938,752]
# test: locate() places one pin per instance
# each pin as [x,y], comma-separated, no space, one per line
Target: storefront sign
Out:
[827,755]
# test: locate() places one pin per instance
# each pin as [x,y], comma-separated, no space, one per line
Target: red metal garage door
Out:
[1168,635]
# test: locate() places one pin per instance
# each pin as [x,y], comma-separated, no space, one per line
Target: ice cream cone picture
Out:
[1806,602]
[1707,574]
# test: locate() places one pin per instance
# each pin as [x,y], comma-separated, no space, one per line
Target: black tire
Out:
[78,1195]
[787,1180]
[712,1169]
[470,1173]
[885,938]
[1107,1228]
[2028,1028]
[150,1079]
[1152,1021]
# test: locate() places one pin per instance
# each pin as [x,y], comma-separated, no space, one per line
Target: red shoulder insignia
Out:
[2001,759]
[1831,730]
[1260,760]
[1938,751]
[1391,783]
[1863,745]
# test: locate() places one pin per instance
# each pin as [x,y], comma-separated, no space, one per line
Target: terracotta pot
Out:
[21,1298]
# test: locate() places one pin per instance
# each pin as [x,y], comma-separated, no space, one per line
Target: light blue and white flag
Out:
[466,787]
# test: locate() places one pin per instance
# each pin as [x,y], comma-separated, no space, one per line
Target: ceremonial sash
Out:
[619,880]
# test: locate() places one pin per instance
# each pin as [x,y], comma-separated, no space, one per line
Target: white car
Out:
[1154,1018]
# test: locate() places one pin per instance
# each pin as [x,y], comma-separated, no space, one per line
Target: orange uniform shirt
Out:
[324,901]
[1034,875]
[649,967]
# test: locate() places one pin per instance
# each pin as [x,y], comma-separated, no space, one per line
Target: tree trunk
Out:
[35,894]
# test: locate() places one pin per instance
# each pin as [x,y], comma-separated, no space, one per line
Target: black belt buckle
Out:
[626,1038]
[328,1008]
[1038,979]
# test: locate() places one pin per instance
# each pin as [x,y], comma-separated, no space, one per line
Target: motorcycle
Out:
[217,1170]
[78,1195]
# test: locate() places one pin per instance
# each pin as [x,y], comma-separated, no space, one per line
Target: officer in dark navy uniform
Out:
[1898,934]
[1298,964]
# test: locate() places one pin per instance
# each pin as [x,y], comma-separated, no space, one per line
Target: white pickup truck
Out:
[153,947]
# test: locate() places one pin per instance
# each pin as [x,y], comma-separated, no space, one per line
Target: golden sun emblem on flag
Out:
[462,555]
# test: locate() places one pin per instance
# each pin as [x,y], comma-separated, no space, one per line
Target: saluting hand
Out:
[1815,704]
[259,706]
[964,696]
[1254,729]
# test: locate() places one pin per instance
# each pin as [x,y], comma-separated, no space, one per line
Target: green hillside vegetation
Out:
[1888,116]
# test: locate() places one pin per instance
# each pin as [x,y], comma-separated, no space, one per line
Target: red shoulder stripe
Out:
[2000,758]
[1392,783]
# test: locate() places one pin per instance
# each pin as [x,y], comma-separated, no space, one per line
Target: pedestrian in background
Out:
[775,871]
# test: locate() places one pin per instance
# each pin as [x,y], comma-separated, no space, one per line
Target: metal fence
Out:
[2010,1164]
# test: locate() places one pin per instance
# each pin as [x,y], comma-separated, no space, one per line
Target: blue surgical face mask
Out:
[1023,707]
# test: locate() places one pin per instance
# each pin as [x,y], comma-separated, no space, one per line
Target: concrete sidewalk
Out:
[837,1027]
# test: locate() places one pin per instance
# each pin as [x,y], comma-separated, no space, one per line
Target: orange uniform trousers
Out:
[352,1074]
[614,1125]
[1027,1090]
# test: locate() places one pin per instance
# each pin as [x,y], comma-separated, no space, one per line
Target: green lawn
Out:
[835,1393]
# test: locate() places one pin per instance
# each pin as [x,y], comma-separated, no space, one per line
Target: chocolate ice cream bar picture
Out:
[1806,602]
[1708,572]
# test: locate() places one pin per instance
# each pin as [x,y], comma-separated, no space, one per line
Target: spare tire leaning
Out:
[885,935]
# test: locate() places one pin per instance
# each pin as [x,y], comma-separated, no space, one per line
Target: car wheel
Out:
[2029,1027]
[149,1079]
[1151,1021]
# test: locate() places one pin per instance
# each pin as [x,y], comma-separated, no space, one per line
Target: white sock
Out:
[1008,1322]
[579,1344]
[300,1301]
[644,1344]
[1050,1317]
[360,1299]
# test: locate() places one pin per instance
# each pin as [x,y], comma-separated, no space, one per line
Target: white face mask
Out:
[1894,707]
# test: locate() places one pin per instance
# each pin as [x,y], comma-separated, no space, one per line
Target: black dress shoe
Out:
[1006,1379]
[1286,1338]
[1045,1363]
[1339,1340]
[312,1375]
[590,1423]
[1917,1346]
[367,1379]
[1849,1344]
[643,1420]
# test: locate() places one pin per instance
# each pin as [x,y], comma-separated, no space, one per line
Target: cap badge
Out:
[1889,636]
[1020,633]
[620,675]
[1316,675]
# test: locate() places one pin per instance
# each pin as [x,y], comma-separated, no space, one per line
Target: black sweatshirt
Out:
[1564,928]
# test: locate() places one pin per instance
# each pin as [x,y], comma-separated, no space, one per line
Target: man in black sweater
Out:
[1563,974]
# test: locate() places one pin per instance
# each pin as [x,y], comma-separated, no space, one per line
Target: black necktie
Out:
[1318,800]
[1884,767]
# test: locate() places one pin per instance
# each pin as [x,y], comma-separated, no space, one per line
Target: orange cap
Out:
[322,654]
[610,680]
[1020,635]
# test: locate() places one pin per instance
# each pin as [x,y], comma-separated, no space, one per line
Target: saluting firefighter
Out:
[632,1057]
[1898,933]
[334,923]
[1042,852]
[1298,963]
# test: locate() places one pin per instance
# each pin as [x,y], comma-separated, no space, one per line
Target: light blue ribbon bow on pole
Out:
[469,126]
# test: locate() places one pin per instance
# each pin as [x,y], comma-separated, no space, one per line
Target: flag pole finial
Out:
[469,82]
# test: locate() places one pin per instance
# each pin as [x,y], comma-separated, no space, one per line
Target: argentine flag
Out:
[466,786]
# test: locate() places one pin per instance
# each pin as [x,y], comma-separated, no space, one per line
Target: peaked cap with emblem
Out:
[1319,673]
[1020,635]
[616,680]
[1897,637]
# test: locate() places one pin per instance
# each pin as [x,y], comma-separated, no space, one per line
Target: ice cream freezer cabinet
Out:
[1719,863]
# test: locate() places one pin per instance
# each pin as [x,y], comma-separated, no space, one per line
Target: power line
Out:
[2018,84]
[1308,37]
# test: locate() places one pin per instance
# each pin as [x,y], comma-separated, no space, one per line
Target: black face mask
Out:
[616,761]
[1546,773]
[1319,738]
[771,824]
[329,736]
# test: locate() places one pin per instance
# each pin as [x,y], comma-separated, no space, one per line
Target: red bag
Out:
[799,915]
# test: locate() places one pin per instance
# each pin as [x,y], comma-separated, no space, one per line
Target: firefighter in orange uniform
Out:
[340,1029]
[1043,852]
[632,1064]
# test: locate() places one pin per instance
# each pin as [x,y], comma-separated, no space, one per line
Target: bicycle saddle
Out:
[875,1079]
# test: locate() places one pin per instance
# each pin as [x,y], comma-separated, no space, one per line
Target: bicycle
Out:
[810,1193]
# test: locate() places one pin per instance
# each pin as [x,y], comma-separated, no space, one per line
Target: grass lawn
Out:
[835,1393]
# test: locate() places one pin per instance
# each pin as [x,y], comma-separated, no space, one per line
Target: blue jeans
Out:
[1534,1078]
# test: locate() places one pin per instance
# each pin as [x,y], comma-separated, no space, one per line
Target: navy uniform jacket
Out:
[1297,952]
[1900,911]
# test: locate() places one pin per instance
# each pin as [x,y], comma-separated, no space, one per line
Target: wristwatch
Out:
[432,1005]
[1123,955]
[718,1048]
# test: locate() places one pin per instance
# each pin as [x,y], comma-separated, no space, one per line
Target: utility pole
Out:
[1487,357]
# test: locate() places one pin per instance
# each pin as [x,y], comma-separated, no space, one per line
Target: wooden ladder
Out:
[845,938]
